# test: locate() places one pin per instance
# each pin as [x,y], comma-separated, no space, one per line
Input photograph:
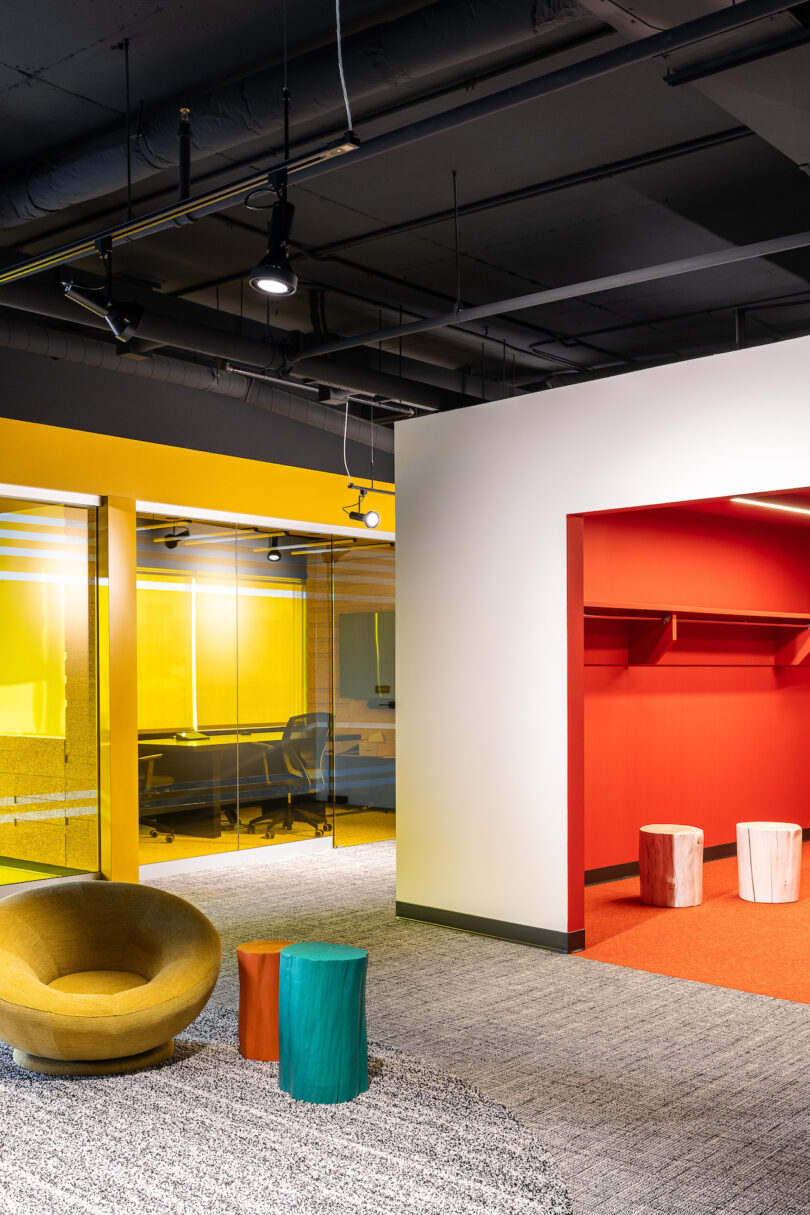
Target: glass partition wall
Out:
[48,691]
[246,736]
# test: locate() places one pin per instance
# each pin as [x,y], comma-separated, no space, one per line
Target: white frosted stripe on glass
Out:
[10,533]
[64,580]
[29,815]
[245,591]
[40,554]
[31,799]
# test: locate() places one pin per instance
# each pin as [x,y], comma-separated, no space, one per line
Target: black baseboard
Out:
[523,934]
[614,873]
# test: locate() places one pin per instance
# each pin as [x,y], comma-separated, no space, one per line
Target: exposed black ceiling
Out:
[612,174]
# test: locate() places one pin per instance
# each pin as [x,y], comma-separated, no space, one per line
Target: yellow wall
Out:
[53,457]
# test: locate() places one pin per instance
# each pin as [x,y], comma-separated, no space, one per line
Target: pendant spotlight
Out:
[123,319]
[274,275]
[272,551]
[369,517]
[173,538]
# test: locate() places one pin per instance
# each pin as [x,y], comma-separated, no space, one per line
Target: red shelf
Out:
[643,634]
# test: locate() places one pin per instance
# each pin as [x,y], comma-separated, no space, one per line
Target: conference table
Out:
[195,779]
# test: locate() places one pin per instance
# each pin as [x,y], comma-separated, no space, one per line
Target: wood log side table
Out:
[258,999]
[322,1022]
[670,861]
[769,862]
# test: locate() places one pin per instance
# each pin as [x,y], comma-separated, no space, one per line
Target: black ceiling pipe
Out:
[571,291]
[356,377]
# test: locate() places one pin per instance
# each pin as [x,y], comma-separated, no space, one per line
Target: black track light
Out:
[123,319]
[272,552]
[369,517]
[173,538]
[274,275]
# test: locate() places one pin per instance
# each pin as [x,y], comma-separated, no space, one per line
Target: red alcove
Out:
[689,693]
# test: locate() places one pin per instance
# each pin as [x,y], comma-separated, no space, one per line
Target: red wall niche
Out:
[713,731]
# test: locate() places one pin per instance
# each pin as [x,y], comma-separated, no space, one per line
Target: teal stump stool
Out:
[323,1052]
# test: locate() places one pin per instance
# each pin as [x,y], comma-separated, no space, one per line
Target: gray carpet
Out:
[211,1132]
[655,1096]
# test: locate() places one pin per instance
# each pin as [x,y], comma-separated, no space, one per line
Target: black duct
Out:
[438,38]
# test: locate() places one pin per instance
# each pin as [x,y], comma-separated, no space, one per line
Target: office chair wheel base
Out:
[153,834]
[269,835]
[169,839]
[251,829]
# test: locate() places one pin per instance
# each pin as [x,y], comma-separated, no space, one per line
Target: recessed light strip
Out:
[794,510]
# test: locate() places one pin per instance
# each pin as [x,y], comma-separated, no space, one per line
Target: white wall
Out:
[482,499]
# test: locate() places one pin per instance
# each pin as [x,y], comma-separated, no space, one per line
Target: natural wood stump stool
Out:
[258,998]
[769,861]
[670,861]
[322,1022]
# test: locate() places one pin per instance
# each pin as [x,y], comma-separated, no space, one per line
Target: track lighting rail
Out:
[182,212]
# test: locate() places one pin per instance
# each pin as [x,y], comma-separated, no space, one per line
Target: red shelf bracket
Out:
[651,643]
[794,652]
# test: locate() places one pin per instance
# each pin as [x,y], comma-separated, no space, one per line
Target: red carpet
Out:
[757,947]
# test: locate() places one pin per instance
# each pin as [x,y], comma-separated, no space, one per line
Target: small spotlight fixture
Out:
[272,552]
[123,319]
[369,517]
[274,275]
[173,538]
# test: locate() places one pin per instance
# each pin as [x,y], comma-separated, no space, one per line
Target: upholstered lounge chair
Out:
[98,977]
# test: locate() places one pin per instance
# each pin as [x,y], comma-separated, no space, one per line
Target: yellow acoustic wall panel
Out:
[32,658]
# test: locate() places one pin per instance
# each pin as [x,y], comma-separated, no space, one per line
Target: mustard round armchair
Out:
[98,977]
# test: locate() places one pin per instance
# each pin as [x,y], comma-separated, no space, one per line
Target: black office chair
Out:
[297,770]
[150,785]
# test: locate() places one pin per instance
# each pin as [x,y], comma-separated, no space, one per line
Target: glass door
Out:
[364,691]
[265,688]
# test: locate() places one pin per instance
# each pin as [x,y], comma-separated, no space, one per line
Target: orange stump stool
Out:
[258,999]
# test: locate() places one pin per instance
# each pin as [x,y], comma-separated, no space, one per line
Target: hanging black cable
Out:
[458,259]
